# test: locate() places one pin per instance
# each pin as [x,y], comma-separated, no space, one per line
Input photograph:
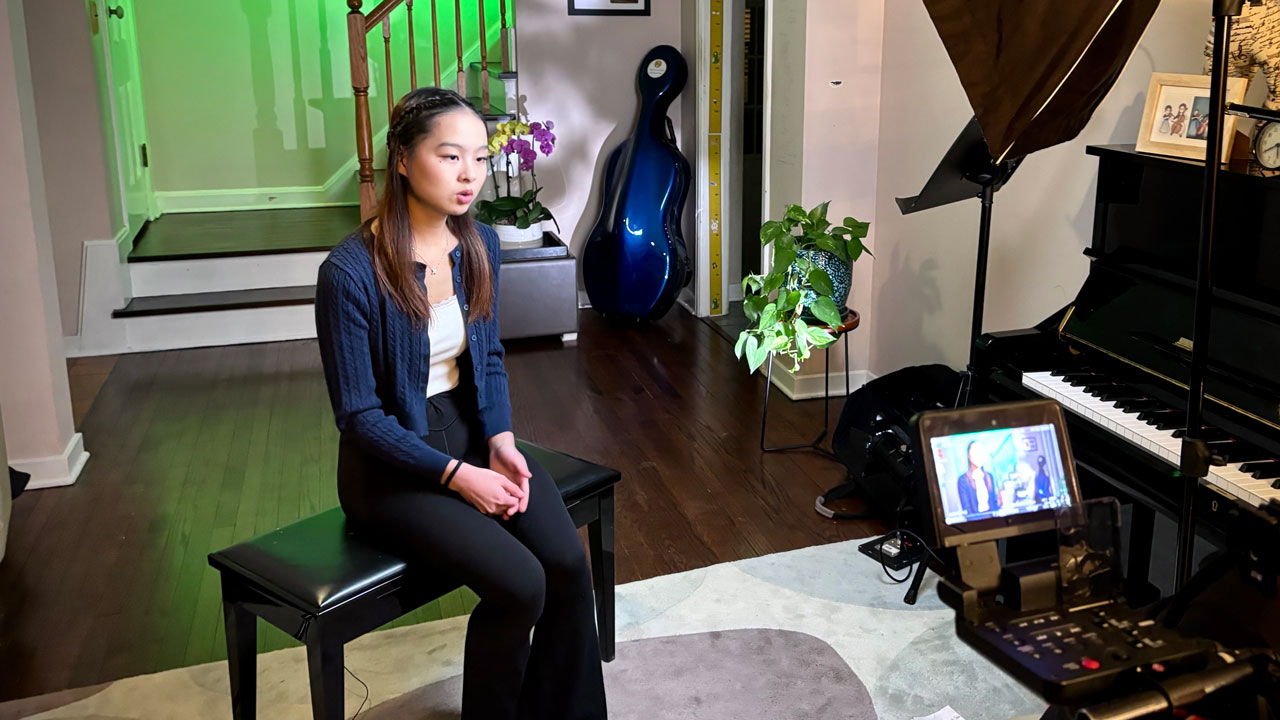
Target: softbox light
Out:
[1035,71]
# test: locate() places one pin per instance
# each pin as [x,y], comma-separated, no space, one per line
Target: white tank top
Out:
[447,335]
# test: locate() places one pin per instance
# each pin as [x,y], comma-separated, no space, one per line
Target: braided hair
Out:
[388,234]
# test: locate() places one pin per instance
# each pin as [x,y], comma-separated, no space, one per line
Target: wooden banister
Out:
[376,15]
[359,26]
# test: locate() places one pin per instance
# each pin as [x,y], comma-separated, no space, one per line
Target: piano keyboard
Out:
[1250,481]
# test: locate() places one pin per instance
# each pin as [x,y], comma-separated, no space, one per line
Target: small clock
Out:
[1266,145]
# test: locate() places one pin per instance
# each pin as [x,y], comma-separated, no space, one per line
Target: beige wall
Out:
[785,65]
[841,128]
[923,283]
[580,73]
[33,373]
[71,144]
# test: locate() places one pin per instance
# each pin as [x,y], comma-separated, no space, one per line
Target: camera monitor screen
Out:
[997,470]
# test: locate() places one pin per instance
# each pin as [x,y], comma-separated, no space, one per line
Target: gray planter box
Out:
[539,291]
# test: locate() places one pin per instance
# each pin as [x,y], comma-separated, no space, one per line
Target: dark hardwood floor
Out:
[245,232]
[193,450]
[85,377]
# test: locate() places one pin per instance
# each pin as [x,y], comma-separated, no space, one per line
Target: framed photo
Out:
[1176,119]
[609,7]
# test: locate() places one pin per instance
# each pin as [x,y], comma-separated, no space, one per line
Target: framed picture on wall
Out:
[1175,120]
[609,7]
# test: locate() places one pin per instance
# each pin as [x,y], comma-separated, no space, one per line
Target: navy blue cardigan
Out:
[375,360]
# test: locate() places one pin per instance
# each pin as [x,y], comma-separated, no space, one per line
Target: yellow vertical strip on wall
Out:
[715,287]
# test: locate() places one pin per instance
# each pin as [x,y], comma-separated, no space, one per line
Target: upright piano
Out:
[1118,357]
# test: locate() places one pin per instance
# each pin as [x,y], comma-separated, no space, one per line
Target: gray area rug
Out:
[740,674]
[812,633]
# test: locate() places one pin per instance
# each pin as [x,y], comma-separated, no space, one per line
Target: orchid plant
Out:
[517,144]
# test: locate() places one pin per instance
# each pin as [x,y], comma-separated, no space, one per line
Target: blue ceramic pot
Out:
[840,271]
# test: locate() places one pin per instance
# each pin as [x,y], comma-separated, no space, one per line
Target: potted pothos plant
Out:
[794,307]
[516,214]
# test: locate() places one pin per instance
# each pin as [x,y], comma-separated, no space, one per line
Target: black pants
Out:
[529,570]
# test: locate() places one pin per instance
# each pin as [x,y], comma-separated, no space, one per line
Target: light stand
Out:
[967,170]
[1194,462]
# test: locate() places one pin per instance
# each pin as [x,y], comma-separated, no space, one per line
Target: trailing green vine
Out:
[790,307]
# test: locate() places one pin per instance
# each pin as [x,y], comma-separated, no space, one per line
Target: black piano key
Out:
[1170,417]
[1262,469]
[1245,453]
[1112,396]
[1133,406]
[1208,433]
[1074,372]
[1084,380]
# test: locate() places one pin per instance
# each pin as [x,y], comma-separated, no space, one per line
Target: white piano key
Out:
[1159,443]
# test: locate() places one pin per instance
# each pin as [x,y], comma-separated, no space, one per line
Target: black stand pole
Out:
[967,170]
[980,274]
[1195,458]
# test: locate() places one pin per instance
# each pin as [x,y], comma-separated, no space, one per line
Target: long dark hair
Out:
[388,234]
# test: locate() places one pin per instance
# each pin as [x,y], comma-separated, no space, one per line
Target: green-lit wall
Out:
[254,94]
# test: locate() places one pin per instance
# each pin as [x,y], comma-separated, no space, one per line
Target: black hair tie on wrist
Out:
[449,478]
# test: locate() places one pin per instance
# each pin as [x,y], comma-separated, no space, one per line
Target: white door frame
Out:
[729,135]
[126,234]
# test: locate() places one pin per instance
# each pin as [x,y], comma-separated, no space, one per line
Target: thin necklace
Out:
[424,260]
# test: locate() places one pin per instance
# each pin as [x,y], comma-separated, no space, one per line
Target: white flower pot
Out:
[514,237]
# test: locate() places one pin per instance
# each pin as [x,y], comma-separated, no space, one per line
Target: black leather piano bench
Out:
[319,582]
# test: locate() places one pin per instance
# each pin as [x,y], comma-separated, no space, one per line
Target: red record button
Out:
[1089,664]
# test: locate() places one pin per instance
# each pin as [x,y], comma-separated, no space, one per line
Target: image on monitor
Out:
[998,473]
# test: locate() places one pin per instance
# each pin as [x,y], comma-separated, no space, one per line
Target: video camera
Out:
[1059,625]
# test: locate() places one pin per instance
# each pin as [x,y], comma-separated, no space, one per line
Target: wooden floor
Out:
[193,450]
[246,232]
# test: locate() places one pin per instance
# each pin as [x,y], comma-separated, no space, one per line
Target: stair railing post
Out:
[462,75]
[413,53]
[359,53]
[386,44]
[483,33]
[435,43]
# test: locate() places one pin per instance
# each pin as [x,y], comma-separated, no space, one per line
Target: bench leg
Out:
[324,664]
[242,659]
[600,534]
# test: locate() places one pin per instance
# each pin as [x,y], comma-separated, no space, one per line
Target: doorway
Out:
[113,22]
[754,32]
[744,98]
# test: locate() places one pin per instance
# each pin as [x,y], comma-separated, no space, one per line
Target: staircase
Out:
[224,278]
[203,279]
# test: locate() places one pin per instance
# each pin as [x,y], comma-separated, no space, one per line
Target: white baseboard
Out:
[251,199]
[809,386]
[340,190]
[104,286]
[56,470]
